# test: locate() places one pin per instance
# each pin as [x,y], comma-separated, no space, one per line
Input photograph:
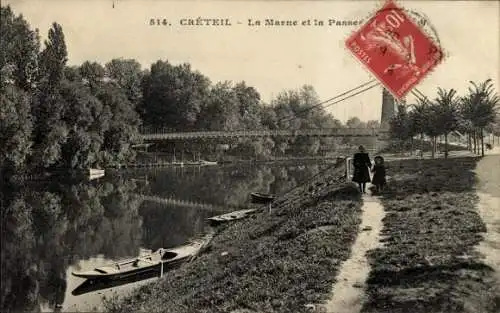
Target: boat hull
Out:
[229,217]
[168,258]
[261,198]
[167,265]
[91,285]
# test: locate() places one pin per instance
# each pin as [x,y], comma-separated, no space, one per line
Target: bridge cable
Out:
[355,94]
[329,104]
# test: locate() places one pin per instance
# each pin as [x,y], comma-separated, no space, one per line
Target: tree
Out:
[19,49]
[47,106]
[173,96]
[93,74]
[446,113]
[298,109]
[355,122]
[123,127]
[128,75]
[87,120]
[400,125]
[221,109]
[373,124]
[419,117]
[479,107]
[54,57]
[15,128]
[249,105]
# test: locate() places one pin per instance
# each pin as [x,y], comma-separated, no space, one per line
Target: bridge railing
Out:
[326,132]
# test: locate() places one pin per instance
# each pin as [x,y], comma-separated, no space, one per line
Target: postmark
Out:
[395,49]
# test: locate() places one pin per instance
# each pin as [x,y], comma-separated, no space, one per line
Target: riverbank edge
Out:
[429,261]
[272,262]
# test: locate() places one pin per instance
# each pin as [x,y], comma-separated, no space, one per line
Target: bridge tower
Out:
[389,107]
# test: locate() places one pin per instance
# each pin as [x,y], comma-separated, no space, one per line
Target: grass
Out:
[275,262]
[397,147]
[428,262]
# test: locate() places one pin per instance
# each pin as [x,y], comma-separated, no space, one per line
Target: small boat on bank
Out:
[91,285]
[258,197]
[228,217]
[168,258]
[96,172]
[204,162]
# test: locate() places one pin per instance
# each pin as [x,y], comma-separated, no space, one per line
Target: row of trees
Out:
[176,98]
[472,114]
[57,116]
[54,116]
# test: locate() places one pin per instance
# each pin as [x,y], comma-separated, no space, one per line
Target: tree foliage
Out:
[58,116]
[472,114]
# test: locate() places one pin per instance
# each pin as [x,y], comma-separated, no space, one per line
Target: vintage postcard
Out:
[250,156]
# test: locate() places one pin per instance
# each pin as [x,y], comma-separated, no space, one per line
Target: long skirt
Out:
[361,174]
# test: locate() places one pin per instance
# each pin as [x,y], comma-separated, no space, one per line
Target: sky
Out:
[271,58]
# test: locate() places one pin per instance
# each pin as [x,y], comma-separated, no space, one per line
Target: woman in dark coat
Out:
[362,165]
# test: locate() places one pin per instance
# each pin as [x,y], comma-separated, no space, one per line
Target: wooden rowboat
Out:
[203,162]
[233,216]
[96,172]
[258,197]
[91,285]
[168,258]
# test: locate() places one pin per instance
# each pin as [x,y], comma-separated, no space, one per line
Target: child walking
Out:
[378,171]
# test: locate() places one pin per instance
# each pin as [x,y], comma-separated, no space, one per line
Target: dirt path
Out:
[488,189]
[347,295]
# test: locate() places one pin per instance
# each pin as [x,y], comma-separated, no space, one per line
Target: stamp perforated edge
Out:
[378,7]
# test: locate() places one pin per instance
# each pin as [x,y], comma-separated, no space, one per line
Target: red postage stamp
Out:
[395,49]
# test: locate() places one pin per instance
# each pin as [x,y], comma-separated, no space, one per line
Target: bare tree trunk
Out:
[474,139]
[422,144]
[479,141]
[436,144]
[445,145]
[469,141]
[482,142]
[433,146]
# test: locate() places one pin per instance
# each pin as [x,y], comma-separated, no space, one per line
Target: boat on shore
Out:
[204,162]
[258,197]
[96,172]
[229,217]
[91,285]
[161,259]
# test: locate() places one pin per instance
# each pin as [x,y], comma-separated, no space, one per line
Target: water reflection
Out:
[53,228]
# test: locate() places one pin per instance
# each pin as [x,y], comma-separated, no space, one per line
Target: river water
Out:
[50,229]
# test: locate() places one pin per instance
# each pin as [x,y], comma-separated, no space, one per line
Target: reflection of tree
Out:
[45,231]
[229,185]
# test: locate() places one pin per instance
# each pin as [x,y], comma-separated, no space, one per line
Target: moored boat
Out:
[228,217]
[96,172]
[91,285]
[258,197]
[168,258]
[204,162]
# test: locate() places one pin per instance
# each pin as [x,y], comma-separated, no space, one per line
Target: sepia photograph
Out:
[250,156]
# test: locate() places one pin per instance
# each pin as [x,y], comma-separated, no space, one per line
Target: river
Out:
[50,229]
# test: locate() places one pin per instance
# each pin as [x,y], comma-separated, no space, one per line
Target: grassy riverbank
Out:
[429,261]
[276,262]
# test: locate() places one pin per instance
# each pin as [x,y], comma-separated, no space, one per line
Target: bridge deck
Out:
[319,132]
